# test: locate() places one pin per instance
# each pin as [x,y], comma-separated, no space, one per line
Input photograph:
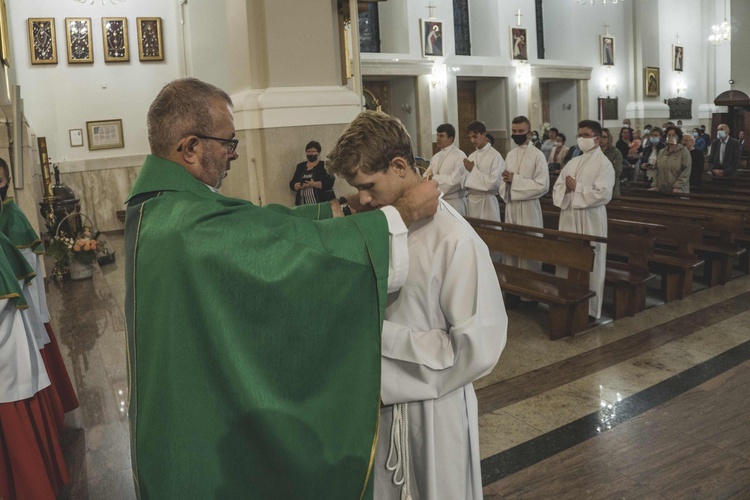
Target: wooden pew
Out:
[568,298]
[628,278]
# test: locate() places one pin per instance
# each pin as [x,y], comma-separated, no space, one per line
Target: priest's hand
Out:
[507,177]
[570,183]
[468,164]
[418,202]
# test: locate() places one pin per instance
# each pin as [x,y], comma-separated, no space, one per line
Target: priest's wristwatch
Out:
[345,206]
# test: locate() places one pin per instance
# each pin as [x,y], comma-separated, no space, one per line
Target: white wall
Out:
[64,96]
[564,93]
[404,93]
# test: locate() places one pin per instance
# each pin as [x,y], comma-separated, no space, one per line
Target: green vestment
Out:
[253,343]
[15,225]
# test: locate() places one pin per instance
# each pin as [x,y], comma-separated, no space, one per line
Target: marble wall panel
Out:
[106,192]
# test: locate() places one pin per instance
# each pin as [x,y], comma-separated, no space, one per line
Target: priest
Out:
[253,332]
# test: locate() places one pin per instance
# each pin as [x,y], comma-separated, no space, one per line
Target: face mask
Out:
[519,138]
[646,131]
[312,158]
[695,134]
[558,144]
[586,144]
[4,191]
[535,137]
[721,134]
[654,140]
[672,140]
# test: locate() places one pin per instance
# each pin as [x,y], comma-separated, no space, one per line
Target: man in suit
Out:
[725,153]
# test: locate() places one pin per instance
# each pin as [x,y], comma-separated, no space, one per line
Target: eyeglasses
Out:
[232,143]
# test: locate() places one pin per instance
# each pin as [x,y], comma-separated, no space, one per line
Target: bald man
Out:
[725,153]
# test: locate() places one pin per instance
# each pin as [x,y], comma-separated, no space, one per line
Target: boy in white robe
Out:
[447,168]
[485,165]
[444,329]
[582,191]
[524,180]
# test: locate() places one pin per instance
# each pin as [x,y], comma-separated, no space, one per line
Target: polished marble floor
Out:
[653,406]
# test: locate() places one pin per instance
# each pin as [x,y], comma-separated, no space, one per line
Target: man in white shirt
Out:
[447,168]
[524,180]
[444,329]
[582,191]
[485,165]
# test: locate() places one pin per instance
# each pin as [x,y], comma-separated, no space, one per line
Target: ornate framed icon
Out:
[607,50]
[78,34]
[651,76]
[105,134]
[677,54]
[519,41]
[150,46]
[42,41]
[432,37]
[4,36]
[115,37]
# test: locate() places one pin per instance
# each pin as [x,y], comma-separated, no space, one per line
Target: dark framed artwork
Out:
[42,41]
[115,38]
[78,35]
[150,46]
[432,37]
[608,108]
[519,42]
[651,82]
[607,50]
[677,57]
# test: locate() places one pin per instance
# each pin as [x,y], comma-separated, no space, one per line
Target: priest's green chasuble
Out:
[253,343]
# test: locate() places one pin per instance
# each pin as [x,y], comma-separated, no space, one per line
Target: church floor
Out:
[653,406]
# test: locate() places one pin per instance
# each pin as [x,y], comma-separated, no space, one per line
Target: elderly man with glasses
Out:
[253,332]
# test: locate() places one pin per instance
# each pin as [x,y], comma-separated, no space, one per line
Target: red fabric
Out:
[57,372]
[32,465]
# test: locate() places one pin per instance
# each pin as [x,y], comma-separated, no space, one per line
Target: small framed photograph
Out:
[432,37]
[607,49]
[677,53]
[519,44]
[105,134]
[115,37]
[42,41]
[608,108]
[78,34]
[76,137]
[150,46]
[651,84]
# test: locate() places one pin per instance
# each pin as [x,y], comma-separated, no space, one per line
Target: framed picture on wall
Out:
[651,83]
[608,108]
[432,37]
[105,134]
[115,37]
[519,42]
[42,41]
[78,35]
[76,137]
[4,36]
[607,50]
[150,46]
[677,54]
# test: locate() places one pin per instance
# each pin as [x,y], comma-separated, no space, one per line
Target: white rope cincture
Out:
[400,448]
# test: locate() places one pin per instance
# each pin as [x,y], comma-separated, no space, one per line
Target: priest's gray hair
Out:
[369,144]
[186,106]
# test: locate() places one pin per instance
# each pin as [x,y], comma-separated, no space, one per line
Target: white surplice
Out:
[448,170]
[482,184]
[521,197]
[444,329]
[583,211]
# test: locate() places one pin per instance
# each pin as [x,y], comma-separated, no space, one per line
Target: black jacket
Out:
[319,174]
[731,156]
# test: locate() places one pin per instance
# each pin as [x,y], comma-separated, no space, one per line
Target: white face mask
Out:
[672,140]
[558,144]
[586,144]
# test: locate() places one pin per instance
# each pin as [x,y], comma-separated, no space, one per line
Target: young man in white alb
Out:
[443,329]
[484,166]
[447,168]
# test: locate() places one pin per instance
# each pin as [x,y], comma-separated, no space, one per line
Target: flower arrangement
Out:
[81,249]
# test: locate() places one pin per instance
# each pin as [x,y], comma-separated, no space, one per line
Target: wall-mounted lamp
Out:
[439,76]
[406,108]
[523,75]
[609,84]
[679,87]
[567,106]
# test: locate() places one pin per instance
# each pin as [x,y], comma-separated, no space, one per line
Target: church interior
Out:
[648,401]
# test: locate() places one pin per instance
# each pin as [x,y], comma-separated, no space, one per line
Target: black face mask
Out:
[519,138]
[312,158]
[4,191]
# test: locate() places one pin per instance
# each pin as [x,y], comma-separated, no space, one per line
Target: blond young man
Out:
[444,329]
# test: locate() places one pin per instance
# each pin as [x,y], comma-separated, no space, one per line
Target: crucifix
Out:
[678,38]
[432,10]
[606,30]
[518,17]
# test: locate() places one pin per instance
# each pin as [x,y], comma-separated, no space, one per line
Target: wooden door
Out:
[467,112]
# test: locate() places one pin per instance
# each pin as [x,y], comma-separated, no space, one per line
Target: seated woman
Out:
[311,182]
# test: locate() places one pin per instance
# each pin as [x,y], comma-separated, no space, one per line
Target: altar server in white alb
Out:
[443,329]
[447,168]
[524,181]
[485,165]
[582,191]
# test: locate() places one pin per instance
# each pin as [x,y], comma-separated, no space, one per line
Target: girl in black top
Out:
[311,182]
